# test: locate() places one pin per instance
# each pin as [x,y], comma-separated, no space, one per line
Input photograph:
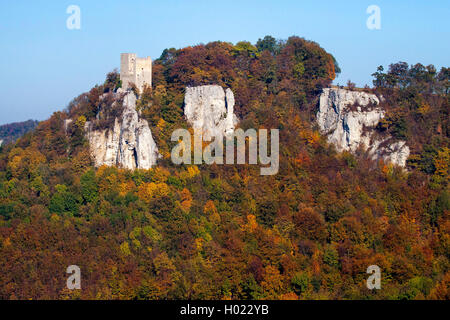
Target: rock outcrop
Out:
[128,143]
[210,109]
[349,118]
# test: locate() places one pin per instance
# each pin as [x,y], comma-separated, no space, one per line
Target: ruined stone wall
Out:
[127,69]
[135,70]
[143,72]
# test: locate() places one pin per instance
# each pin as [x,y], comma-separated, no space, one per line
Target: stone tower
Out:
[135,70]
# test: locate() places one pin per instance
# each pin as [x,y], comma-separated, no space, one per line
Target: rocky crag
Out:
[349,119]
[128,143]
[210,109]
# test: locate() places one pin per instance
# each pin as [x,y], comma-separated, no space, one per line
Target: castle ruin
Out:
[135,70]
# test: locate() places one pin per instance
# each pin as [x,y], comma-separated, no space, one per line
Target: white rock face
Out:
[349,129]
[67,123]
[397,152]
[344,127]
[128,144]
[210,109]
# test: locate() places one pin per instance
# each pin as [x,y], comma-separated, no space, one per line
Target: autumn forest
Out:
[225,231]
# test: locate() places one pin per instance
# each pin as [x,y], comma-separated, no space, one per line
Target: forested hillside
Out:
[225,231]
[12,131]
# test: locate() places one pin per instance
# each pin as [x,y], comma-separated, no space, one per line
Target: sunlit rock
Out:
[349,118]
[210,109]
[128,143]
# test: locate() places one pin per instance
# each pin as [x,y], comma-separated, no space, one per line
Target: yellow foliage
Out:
[125,249]
[161,124]
[23,161]
[101,170]
[273,282]
[209,207]
[165,154]
[160,92]
[81,161]
[14,165]
[199,243]
[151,190]
[330,68]
[190,173]
[80,121]
[251,224]
[136,243]
[186,200]
[163,264]
[55,217]
[312,137]
[442,161]
[211,210]
[126,187]
[193,171]
[215,218]
[111,182]
[160,174]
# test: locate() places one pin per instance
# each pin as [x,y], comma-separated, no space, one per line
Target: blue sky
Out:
[44,65]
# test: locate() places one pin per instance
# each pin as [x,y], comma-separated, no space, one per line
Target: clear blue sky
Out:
[44,65]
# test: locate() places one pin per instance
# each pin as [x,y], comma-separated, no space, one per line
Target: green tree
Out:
[89,187]
[300,282]
[268,43]
[63,201]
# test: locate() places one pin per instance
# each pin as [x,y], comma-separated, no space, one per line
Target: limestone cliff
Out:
[349,118]
[210,109]
[128,143]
